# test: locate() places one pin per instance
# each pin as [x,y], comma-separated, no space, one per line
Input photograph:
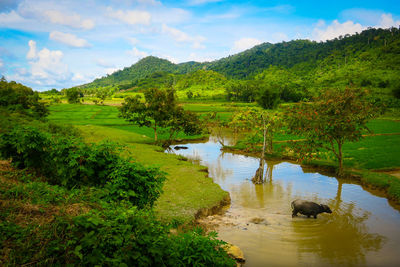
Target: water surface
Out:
[363,230]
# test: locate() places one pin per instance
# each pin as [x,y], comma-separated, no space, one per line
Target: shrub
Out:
[69,162]
[134,183]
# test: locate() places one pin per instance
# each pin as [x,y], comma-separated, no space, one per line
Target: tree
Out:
[158,111]
[264,124]
[181,121]
[102,94]
[17,97]
[336,116]
[73,95]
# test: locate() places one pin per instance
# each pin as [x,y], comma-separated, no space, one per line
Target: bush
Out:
[115,236]
[268,98]
[69,162]
[196,249]
[134,183]
[17,97]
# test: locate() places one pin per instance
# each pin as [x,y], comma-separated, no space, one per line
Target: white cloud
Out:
[32,50]
[68,39]
[323,33]
[47,67]
[56,15]
[72,20]
[181,36]
[131,17]
[10,18]
[137,53]
[244,44]
[1,63]
[387,21]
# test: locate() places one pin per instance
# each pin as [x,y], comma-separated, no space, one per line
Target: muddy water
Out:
[363,230]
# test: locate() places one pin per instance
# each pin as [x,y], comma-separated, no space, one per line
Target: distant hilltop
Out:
[375,50]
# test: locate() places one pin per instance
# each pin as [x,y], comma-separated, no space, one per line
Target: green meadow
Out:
[187,189]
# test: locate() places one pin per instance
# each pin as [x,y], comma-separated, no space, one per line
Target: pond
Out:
[363,230]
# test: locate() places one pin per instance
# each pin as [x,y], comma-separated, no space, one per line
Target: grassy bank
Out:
[187,189]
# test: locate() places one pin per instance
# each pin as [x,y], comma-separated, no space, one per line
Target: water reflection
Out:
[341,239]
[362,230]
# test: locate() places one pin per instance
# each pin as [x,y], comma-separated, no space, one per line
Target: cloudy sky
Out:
[57,44]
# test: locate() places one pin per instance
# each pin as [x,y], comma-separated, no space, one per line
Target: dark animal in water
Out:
[308,208]
[180,147]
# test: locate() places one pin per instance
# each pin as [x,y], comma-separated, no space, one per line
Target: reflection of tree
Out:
[338,198]
[218,171]
[268,173]
[342,240]
[265,194]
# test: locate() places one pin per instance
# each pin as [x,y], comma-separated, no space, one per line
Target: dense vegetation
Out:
[65,201]
[295,70]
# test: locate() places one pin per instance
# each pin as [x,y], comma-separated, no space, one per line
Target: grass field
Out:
[187,189]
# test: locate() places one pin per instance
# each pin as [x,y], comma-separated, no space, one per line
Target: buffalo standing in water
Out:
[308,208]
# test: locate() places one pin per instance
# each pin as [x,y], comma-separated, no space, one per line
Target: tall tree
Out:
[159,111]
[264,124]
[333,118]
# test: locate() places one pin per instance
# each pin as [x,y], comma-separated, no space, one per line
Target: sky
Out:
[58,44]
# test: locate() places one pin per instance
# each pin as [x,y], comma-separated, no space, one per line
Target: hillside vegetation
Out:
[370,59]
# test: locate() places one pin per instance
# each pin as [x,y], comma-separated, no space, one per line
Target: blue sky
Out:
[58,44]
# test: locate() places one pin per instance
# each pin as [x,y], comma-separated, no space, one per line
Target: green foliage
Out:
[245,91]
[17,97]
[333,118]
[116,236]
[73,95]
[159,110]
[267,97]
[158,79]
[69,162]
[134,183]
[195,249]
[206,79]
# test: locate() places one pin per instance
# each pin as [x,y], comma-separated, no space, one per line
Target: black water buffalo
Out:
[308,208]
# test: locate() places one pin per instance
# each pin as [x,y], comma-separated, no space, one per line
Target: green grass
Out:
[187,189]
[373,152]
[102,115]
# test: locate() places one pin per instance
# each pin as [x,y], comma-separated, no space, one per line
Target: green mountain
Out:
[144,68]
[369,59]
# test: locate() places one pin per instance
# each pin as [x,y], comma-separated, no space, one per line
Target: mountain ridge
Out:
[300,56]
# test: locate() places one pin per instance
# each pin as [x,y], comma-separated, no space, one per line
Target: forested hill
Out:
[304,55]
[145,67]
[373,49]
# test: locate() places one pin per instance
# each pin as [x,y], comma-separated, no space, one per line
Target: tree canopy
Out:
[333,118]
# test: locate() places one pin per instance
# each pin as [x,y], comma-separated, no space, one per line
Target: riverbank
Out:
[188,191]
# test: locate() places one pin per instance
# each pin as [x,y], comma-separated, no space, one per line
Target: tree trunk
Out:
[155,133]
[259,176]
[338,197]
[340,159]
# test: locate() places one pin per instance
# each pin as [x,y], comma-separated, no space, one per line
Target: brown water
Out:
[363,230]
